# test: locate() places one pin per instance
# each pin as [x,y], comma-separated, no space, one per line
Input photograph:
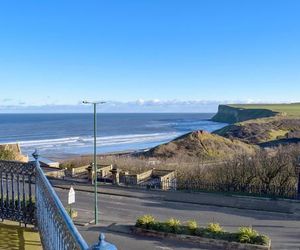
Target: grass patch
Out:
[277,134]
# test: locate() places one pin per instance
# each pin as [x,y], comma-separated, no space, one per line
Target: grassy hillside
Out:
[292,109]
[259,131]
[202,145]
[265,124]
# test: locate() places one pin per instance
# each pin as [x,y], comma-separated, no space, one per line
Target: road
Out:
[284,229]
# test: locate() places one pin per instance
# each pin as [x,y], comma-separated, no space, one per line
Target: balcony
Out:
[27,197]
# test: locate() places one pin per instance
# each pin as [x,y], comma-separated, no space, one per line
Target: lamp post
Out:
[95,157]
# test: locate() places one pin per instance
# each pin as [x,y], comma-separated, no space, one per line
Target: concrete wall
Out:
[143,176]
[105,170]
[55,174]
[74,171]
[168,181]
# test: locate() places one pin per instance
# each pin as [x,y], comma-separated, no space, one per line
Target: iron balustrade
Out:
[56,228]
[28,197]
[17,189]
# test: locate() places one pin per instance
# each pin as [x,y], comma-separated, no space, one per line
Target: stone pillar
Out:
[115,176]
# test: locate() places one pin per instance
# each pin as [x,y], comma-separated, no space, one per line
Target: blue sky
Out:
[153,55]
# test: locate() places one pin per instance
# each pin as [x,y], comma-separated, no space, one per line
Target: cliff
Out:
[263,124]
[231,114]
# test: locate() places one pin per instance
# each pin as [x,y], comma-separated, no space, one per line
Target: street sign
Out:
[71,196]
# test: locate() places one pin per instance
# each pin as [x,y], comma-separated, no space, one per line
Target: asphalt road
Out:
[284,229]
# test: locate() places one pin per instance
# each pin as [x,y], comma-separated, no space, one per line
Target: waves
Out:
[81,144]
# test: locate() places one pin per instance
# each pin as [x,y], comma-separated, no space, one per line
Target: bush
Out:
[247,235]
[174,225]
[7,155]
[192,226]
[212,231]
[214,228]
[262,240]
[145,221]
[163,227]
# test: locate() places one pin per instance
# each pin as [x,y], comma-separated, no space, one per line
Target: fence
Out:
[17,189]
[56,227]
[272,191]
[28,197]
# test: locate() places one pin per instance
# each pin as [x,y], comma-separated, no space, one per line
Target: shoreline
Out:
[66,156]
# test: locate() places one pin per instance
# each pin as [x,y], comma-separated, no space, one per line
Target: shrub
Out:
[192,226]
[262,240]
[247,235]
[8,155]
[145,221]
[157,226]
[212,231]
[214,228]
[174,225]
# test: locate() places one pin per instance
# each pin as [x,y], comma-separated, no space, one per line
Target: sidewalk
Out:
[14,237]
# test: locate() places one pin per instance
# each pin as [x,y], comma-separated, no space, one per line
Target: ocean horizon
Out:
[58,134]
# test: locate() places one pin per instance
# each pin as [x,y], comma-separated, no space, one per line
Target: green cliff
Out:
[232,114]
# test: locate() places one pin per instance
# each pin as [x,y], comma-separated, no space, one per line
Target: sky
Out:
[147,55]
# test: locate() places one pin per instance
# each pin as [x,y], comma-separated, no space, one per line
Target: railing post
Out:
[35,155]
[102,244]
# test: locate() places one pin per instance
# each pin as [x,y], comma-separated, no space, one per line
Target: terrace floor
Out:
[14,237]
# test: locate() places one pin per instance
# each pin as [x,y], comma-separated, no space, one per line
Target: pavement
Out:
[119,210]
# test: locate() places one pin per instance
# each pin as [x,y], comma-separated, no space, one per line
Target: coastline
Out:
[66,156]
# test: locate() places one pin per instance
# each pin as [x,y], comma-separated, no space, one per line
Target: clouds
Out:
[137,106]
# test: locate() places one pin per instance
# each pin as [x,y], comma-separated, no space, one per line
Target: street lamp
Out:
[95,156]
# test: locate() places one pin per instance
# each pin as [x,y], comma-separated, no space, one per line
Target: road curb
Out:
[83,224]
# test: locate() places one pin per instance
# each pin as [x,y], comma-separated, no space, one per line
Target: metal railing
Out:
[19,183]
[17,189]
[55,225]
[272,191]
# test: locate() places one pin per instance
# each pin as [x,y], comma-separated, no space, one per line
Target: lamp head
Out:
[87,102]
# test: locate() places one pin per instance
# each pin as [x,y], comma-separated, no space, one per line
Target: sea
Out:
[64,135]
